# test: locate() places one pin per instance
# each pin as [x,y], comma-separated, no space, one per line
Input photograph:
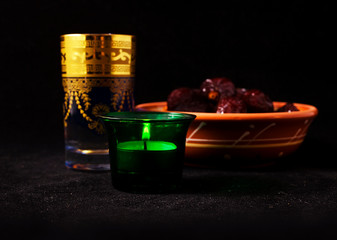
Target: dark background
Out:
[282,47]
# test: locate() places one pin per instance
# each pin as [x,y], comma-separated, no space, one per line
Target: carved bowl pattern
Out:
[249,139]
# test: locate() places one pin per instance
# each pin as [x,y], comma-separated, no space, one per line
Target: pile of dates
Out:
[219,95]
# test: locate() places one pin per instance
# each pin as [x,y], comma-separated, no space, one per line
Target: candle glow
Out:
[146,132]
[147,149]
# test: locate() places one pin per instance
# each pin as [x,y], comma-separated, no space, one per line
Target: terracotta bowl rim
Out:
[306,111]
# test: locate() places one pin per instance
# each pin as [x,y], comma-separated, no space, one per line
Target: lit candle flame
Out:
[146,134]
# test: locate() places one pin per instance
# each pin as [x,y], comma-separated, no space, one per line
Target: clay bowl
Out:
[245,139]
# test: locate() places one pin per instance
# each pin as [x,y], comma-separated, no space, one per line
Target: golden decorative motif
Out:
[100,109]
[115,84]
[97,110]
[122,55]
[77,92]
[91,61]
[97,55]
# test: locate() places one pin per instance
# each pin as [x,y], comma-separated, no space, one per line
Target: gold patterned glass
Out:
[98,72]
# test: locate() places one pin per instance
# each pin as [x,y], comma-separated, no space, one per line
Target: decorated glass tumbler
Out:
[146,149]
[98,72]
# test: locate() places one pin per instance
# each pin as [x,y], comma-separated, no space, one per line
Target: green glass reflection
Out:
[151,146]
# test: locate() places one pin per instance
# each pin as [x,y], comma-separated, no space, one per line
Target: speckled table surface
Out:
[40,196]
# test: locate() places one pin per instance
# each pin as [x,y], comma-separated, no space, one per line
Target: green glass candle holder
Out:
[146,149]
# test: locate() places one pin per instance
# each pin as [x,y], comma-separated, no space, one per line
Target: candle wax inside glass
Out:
[150,146]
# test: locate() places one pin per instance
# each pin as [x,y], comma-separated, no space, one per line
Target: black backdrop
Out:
[281,47]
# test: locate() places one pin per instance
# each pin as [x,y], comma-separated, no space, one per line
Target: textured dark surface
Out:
[39,196]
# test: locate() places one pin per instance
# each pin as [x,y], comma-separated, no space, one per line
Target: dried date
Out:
[257,101]
[187,99]
[288,107]
[231,105]
[215,88]
[221,96]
